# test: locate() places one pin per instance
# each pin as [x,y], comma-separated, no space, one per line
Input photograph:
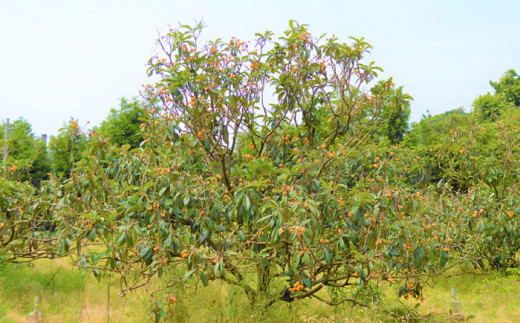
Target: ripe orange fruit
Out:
[184,253]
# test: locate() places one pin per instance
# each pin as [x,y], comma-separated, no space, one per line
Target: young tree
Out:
[226,184]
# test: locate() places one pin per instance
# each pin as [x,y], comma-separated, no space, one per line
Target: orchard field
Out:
[268,179]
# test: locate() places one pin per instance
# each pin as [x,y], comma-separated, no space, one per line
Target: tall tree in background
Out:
[430,130]
[66,148]
[26,152]
[396,115]
[121,126]
[507,94]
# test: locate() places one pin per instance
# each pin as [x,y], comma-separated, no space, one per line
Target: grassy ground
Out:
[68,296]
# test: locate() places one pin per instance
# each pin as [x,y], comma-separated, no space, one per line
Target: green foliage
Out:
[396,117]
[27,153]
[508,87]
[466,152]
[507,94]
[489,106]
[430,129]
[66,148]
[121,126]
[283,201]
[224,184]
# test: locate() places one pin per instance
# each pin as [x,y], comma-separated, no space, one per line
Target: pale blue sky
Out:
[63,59]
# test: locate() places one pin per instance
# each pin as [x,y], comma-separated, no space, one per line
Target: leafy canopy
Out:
[507,94]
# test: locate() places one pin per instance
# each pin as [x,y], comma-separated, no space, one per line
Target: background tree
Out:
[395,116]
[508,87]
[66,148]
[121,126]
[26,152]
[430,129]
[507,94]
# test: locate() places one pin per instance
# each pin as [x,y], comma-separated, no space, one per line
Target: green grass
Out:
[491,298]
[66,295]
[69,296]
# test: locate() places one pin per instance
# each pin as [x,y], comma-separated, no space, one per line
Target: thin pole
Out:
[108,302]
[6,147]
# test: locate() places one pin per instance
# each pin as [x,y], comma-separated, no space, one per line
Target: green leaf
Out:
[394,252]
[203,279]
[161,192]
[328,258]
[216,269]
[307,282]
[247,202]
[418,256]
[189,274]
[145,253]
[78,246]
[298,258]
[307,258]
[121,239]
[207,144]
[361,284]
[147,185]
